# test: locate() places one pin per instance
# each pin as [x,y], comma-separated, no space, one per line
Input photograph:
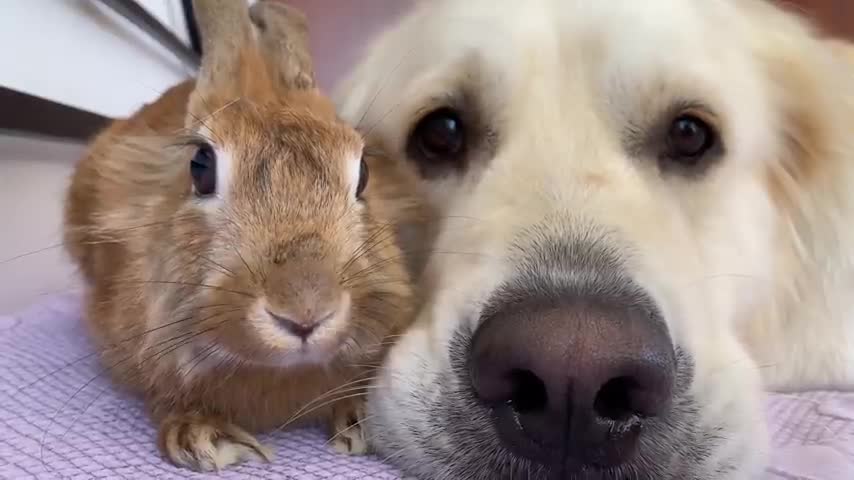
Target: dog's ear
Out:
[283,37]
[810,83]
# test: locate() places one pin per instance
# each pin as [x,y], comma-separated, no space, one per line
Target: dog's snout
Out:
[572,381]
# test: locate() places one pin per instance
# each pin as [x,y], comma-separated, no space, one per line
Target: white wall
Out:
[81,53]
[33,178]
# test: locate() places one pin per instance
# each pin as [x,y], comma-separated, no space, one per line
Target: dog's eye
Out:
[203,171]
[688,139]
[363,178]
[439,137]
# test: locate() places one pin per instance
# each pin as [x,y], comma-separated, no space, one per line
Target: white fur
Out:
[224,162]
[353,170]
[753,293]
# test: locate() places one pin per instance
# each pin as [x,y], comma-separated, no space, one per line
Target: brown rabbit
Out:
[240,270]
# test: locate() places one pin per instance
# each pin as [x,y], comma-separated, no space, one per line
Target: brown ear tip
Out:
[266,13]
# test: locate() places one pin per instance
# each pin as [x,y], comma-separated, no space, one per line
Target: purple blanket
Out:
[98,433]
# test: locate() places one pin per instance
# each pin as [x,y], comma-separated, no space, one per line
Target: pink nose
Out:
[302,328]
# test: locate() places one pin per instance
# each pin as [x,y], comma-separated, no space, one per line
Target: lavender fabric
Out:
[59,420]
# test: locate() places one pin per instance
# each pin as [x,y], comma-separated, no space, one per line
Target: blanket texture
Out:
[60,420]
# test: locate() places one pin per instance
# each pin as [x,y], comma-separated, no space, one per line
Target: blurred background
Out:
[68,66]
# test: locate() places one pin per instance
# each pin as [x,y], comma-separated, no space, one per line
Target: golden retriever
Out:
[644,219]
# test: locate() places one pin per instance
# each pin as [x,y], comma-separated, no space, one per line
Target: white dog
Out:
[645,216]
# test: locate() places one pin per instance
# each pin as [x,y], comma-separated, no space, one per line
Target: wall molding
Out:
[26,114]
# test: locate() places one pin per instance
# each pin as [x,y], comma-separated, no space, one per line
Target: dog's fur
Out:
[749,259]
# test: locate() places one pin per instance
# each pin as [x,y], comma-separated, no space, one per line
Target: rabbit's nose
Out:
[303,295]
[301,327]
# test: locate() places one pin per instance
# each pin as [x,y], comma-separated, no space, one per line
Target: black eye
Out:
[363,178]
[440,136]
[203,171]
[689,138]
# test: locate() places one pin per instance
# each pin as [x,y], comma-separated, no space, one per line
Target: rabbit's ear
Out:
[227,38]
[283,37]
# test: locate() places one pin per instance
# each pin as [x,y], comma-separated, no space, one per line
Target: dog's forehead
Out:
[503,48]
[662,26]
[526,67]
[500,48]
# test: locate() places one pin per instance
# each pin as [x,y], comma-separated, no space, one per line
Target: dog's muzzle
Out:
[572,370]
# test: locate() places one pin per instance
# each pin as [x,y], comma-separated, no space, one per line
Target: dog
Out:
[644,218]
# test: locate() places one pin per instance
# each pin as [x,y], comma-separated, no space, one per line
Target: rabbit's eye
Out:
[363,178]
[203,171]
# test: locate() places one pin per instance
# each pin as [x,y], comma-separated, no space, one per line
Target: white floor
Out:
[33,178]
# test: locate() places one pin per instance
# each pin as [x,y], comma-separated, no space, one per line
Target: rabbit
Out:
[241,271]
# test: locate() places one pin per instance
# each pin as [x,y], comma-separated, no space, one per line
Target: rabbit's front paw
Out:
[348,436]
[205,444]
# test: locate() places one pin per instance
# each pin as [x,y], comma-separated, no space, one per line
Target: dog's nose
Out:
[573,381]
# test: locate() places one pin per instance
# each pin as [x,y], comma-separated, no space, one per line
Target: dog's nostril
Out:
[572,381]
[529,392]
[614,400]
